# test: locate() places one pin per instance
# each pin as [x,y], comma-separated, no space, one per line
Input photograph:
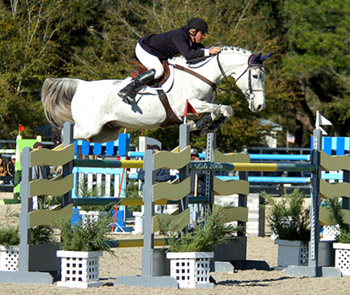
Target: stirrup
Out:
[128,99]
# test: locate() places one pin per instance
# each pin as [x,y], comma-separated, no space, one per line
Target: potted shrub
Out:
[342,244]
[289,221]
[9,241]
[9,250]
[190,253]
[81,246]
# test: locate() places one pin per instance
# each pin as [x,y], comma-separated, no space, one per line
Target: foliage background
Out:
[95,39]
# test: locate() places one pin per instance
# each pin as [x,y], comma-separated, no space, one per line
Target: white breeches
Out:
[149,61]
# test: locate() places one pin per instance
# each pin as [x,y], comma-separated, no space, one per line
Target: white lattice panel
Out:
[91,216]
[190,269]
[9,258]
[79,269]
[342,258]
[330,232]
[304,255]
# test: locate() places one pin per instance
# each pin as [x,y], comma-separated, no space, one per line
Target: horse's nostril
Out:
[259,108]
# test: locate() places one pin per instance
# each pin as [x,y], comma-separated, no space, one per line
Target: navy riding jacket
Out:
[169,44]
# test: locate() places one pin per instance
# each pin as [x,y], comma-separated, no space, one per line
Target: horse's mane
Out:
[234,48]
[181,59]
[56,97]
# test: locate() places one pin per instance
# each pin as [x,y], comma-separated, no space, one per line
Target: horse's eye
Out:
[255,76]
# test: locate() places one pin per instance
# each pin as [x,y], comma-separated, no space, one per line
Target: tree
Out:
[317,64]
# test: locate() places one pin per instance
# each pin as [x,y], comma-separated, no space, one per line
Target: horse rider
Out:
[152,49]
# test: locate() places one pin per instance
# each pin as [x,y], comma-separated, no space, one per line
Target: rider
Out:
[151,49]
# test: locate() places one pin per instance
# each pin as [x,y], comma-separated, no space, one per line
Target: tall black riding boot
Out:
[128,93]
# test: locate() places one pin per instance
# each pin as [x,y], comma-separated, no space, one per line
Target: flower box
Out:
[342,257]
[79,269]
[330,232]
[9,258]
[191,269]
[292,253]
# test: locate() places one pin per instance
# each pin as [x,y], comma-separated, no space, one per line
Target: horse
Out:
[98,113]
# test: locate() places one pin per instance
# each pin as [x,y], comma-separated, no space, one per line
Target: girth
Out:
[170,119]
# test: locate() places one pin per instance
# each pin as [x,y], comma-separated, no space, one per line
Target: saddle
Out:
[171,118]
[156,83]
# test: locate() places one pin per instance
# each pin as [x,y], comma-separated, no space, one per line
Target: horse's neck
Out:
[233,63]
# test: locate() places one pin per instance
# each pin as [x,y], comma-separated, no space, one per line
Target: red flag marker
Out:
[20,128]
[189,109]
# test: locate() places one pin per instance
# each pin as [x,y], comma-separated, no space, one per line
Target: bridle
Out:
[250,95]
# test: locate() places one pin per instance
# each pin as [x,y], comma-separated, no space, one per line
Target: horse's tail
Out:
[56,97]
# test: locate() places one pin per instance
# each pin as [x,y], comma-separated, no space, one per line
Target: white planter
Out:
[9,258]
[342,257]
[330,232]
[91,216]
[138,222]
[292,253]
[191,269]
[79,269]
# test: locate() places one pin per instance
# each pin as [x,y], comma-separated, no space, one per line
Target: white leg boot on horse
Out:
[128,93]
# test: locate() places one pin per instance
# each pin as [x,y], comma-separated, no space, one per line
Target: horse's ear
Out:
[265,57]
[258,59]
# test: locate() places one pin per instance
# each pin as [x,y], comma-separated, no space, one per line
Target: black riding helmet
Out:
[198,24]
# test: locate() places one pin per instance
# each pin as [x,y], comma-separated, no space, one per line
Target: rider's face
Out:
[199,37]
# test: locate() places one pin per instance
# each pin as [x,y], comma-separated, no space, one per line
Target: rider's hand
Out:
[214,50]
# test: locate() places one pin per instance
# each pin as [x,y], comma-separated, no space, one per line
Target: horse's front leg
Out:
[212,113]
[209,111]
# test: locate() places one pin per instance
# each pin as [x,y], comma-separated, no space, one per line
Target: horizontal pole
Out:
[277,157]
[204,165]
[269,179]
[95,201]
[281,157]
[108,163]
[135,243]
[256,167]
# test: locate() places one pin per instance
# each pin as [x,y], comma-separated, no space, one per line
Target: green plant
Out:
[42,234]
[204,238]
[84,192]
[91,236]
[288,219]
[132,192]
[335,207]
[9,234]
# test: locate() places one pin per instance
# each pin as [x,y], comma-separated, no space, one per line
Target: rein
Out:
[199,76]
[233,87]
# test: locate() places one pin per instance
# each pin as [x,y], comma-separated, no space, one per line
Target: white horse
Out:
[98,112]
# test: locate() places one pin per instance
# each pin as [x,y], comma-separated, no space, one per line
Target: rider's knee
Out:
[159,71]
